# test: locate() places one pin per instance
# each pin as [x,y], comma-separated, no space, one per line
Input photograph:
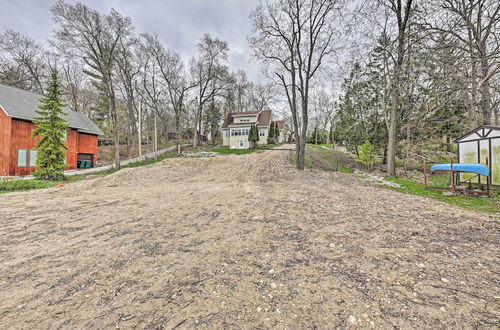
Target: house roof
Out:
[263,119]
[279,123]
[21,104]
[481,132]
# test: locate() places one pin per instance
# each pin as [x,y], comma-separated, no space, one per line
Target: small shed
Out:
[482,146]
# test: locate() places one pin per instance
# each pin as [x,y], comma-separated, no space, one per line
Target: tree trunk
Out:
[391,146]
[155,142]
[485,94]
[114,118]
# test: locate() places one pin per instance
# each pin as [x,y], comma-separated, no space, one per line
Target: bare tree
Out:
[402,16]
[77,89]
[294,38]
[129,66]
[205,70]
[23,60]
[473,28]
[171,68]
[96,37]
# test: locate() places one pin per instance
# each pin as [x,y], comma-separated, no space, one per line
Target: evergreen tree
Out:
[253,135]
[51,128]
[366,155]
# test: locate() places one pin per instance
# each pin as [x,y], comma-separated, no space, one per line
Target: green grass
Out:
[22,185]
[482,204]
[16,185]
[327,158]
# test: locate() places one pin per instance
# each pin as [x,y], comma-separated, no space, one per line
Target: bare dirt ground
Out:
[242,242]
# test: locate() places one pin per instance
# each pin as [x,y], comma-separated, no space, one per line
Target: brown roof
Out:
[279,123]
[264,118]
[245,113]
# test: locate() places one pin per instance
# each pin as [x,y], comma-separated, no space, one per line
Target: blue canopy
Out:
[470,168]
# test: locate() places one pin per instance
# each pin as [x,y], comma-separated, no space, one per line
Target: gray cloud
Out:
[179,23]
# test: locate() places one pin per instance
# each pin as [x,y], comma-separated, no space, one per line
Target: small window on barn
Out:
[33,157]
[22,157]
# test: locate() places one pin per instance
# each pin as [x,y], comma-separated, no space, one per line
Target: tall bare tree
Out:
[402,13]
[23,61]
[294,38]
[96,37]
[473,28]
[205,70]
[172,70]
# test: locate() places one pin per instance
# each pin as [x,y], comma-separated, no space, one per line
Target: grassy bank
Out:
[482,204]
[16,185]
[323,157]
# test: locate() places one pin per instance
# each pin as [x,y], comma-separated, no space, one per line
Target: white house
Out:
[237,126]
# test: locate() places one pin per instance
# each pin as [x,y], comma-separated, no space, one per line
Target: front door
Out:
[242,144]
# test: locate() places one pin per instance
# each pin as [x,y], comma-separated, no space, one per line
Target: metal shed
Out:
[481,145]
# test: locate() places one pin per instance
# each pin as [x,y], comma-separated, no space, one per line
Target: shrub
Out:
[366,155]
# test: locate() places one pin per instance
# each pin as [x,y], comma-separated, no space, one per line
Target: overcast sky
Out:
[179,23]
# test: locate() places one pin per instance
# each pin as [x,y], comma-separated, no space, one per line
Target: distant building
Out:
[237,126]
[17,148]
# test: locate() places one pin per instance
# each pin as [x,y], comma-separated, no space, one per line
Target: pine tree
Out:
[366,155]
[253,135]
[51,128]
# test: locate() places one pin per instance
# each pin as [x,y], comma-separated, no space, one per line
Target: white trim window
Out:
[22,157]
[240,131]
[262,132]
[244,120]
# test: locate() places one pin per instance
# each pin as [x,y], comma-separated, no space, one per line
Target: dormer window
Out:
[244,120]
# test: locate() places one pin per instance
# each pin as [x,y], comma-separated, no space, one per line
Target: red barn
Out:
[17,148]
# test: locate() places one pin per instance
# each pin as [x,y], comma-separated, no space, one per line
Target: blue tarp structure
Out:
[469,168]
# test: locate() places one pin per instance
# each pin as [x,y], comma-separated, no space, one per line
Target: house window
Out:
[33,157]
[244,120]
[226,133]
[240,131]
[22,157]
[262,132]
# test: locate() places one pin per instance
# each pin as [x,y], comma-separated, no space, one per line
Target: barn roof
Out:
[21,104]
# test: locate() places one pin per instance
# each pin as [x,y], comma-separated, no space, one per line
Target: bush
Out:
[366,155]
[318,135]
[271,140]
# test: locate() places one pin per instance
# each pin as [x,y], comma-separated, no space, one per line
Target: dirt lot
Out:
[242,242]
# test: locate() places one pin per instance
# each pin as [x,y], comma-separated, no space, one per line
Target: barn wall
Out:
[21,132]
[87,144]
[5,128]
[72,144]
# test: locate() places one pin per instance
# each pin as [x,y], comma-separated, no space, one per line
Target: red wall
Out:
[72,144]
[20,138]
[87,144]
[5,123]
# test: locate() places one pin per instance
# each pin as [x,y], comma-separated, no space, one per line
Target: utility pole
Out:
[155,144]
[140,128]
